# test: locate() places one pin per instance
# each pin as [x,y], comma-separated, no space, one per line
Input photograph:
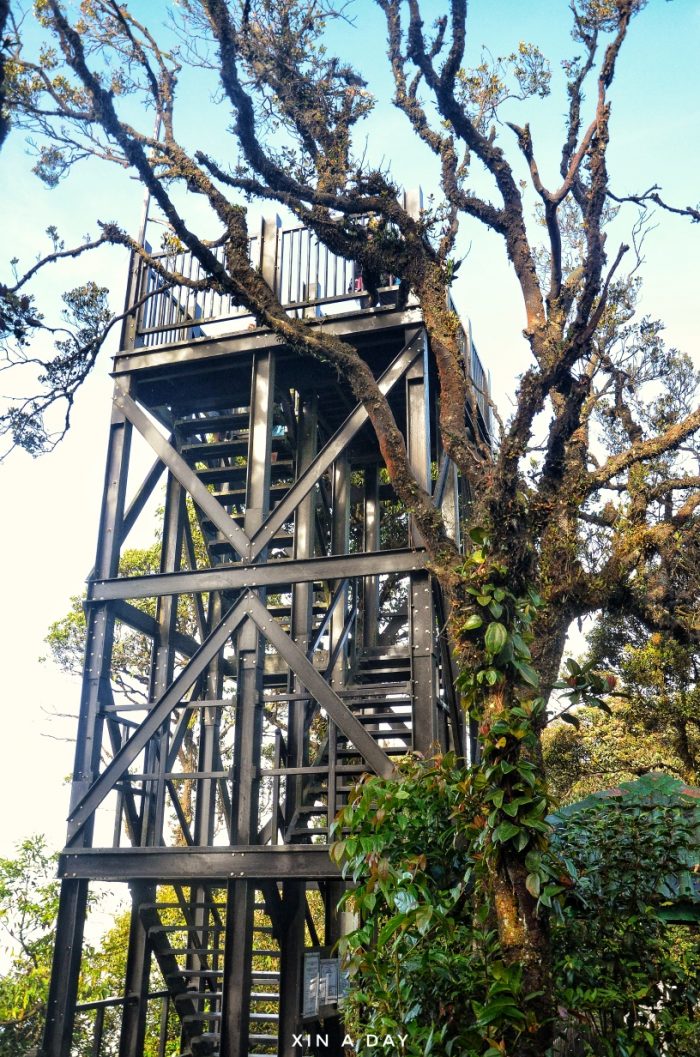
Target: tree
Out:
[4,19]
[653,720]
[596,510]
[425,959]
[28,908]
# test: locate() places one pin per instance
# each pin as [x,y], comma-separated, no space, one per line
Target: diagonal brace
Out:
[159,713]
[319,688]
[184,474]
[335,447]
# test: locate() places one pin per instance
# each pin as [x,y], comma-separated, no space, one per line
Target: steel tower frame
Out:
[294,641]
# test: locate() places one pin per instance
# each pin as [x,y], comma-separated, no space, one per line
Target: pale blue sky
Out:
[49,510]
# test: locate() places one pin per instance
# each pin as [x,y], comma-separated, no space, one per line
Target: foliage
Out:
[659,675]
[425,953]
[628,980]
[653,724]
[28,908]
[76,343]
[29,893]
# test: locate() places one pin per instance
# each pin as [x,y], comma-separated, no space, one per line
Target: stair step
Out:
[237,474]
[355,692]
[207,974]
[381,675]
[178,906]
[265,974]
[221,449]
[222,546]
[317,609]
[227,423]
[265,1017]
[196,950]
[383,717]
[198,996]
[264,996]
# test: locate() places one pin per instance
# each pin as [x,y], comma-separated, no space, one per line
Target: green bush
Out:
[425,959]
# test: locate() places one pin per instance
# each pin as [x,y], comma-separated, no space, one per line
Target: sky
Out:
[49,509]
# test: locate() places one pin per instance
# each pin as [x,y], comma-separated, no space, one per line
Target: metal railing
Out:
[169,311]
[98,1025]
[308,273]
[307,277]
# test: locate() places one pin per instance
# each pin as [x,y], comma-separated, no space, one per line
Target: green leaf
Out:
[569,717]
[392,926]
[496,637]
[597,702]
[423,919]
[527,672]
[472,622]
[520,646]
[533,861]
[337,851]
[506,831]
[532,883]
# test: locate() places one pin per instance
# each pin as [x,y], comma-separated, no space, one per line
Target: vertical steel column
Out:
[302,594]
[334,921]
[340,544]
[138,971]
[270,252]
[421,616]
[294,892]
[96,689]
[162,662]
[210,721]
[370,542]
[138,965]
[202,916]
[450,505]
[235,1020]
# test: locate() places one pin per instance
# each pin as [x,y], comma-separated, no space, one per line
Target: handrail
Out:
[120,1000]
[308,278]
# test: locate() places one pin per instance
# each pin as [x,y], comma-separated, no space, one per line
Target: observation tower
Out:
[294,637]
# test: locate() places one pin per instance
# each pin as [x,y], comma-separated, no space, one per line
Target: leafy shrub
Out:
[425,958]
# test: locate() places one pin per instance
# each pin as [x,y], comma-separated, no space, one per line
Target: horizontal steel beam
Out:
[308,862]
[273,574]
[185,353]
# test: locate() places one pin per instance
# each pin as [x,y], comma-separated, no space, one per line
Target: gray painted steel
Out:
[291,633]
